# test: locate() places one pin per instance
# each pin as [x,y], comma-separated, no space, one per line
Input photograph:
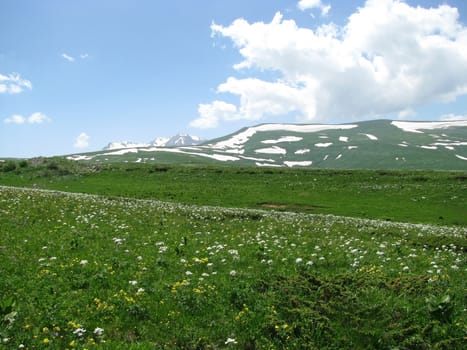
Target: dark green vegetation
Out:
[406,196]
[139,263]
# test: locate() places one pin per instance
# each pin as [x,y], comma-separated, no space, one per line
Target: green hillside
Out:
[378,144]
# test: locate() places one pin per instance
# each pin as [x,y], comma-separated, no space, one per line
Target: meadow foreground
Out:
[86,271]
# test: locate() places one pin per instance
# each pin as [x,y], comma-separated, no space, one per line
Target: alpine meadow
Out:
[251,175]
[139,256]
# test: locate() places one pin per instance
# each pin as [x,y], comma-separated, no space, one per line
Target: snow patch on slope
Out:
[120,152]
[371,137]
[417,126]
[272,150]
[283,139]
[236,141]
[291,164]
[323,144]
[302,151]
[268,165]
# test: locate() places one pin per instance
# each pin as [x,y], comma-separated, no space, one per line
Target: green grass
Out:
[82,271]
[141,261]
[407,196]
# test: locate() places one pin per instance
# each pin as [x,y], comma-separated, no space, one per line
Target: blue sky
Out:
[75,75]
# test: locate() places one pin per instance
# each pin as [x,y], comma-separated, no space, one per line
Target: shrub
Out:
[9,166]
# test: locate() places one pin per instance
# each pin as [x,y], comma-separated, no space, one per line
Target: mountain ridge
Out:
[174,141]
[374,144]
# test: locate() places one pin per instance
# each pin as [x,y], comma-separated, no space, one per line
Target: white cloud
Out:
[82,141]
[38,118]
[34,118]
[13,84]
[68,57]
[311,4]
[388,58]
[15,119]
[259,99]
[407,113]
[452,117]
[211,113]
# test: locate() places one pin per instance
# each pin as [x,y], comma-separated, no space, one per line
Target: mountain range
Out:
[377,144]
[174,141]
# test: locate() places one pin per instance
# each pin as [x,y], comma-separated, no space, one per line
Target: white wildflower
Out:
[79,331]
[98,331]
[230,341]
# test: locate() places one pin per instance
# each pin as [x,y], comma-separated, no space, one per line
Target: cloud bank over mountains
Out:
[387,58]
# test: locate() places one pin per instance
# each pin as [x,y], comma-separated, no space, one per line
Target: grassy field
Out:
[123,270]
[407,196]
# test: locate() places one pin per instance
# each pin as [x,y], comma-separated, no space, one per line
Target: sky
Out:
[78,74]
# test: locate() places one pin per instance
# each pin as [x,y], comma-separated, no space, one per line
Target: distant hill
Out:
[377,144]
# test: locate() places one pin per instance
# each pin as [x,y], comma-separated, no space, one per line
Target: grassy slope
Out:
[171,277]
[407,196]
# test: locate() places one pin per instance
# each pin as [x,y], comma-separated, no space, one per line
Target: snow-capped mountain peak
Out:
[178,140]
[160,141]
[183,140]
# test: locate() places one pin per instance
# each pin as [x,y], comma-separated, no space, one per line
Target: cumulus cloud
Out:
[211,113]
[82,141]
[13,84]
[34,118]
[311,4]
[389,57]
